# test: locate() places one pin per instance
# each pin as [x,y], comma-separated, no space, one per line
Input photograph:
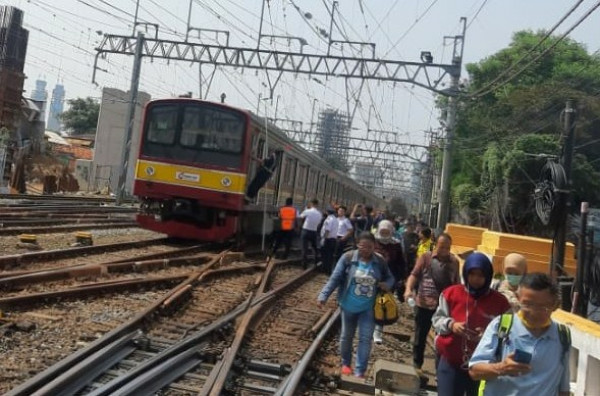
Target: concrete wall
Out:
[585,353]
[110,138]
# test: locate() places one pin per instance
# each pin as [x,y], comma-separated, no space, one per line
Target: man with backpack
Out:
[433,272]
[526,353]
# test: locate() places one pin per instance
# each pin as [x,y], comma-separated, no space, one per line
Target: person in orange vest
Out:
[288,216]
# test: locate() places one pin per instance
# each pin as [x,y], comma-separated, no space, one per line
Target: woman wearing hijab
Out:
[391,250]
[515,267]
[463,313]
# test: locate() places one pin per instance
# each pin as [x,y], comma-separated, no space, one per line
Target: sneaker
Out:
[378,336]
[346,370]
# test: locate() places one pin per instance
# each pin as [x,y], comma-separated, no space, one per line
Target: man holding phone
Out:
[532,359]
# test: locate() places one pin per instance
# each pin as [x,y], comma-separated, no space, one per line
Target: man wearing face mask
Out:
[533,358]
[515,267]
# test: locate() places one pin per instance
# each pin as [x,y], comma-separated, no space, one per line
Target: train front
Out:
[191,171]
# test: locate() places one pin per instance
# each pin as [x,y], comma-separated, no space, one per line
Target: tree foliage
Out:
[82,116]
[504,135]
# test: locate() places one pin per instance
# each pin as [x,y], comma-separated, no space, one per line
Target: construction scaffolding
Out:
[333,138]
[13,46]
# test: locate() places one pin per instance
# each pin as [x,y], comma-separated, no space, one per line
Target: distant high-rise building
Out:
[56,108]
[39,94]
[333,138]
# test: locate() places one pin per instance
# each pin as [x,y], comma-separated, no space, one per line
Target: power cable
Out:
[417,20]
[477,14]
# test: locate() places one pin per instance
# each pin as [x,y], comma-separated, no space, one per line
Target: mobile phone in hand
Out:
[522,357]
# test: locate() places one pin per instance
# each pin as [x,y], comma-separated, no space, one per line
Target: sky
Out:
[63,36]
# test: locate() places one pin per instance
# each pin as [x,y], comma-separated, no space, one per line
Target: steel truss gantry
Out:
[427,75]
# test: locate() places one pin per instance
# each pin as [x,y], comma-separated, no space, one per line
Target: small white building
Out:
[110,139]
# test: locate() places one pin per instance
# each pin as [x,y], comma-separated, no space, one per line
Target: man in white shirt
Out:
[312,218]
[344,232]
[329,238]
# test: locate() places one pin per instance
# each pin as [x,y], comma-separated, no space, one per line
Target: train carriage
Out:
[197,159]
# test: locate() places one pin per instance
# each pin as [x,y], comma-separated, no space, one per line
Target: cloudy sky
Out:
[64,34]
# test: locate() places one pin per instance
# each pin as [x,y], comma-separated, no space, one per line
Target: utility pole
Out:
[580,304]
[564,204]
[133,93]
[444,206]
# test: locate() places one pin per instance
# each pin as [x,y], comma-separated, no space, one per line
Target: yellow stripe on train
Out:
[188,176]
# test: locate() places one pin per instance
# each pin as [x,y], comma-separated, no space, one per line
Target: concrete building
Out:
[370,177]
[333,138]
[110,138]
[13,48]
[40,95]
[56,108]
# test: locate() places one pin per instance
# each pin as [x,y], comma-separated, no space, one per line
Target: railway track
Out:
[176,322]
[23,263]
[182,341]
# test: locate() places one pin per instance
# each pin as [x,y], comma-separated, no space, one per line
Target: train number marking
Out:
[192,177]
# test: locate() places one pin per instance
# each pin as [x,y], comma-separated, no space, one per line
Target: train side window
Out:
[301,183]
[162,124]
[260,150]
[289,172]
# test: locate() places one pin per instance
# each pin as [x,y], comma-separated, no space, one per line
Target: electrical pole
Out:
[444,193]
[564,204]
[579,297]
[133,93]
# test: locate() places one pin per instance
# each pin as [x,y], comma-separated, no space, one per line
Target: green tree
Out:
[82,116]
[504,135]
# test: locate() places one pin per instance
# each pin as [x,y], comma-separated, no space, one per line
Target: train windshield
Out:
[196,133]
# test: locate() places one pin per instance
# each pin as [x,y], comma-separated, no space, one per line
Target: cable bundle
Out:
[553,181]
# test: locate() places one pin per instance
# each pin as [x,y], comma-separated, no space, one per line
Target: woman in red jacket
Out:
[463,313]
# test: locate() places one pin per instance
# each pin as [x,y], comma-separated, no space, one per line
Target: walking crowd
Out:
[492,336]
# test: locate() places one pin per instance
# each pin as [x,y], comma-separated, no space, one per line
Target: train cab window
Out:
[212,129]
[162,124]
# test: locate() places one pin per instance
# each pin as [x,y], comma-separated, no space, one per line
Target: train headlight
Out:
[150,171]
[226,181]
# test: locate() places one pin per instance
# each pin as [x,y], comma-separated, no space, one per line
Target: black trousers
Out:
[422,326]
[309,237]
[339,248]
[285,237]
[328,252]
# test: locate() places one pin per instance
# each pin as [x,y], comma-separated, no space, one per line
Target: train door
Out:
[277,181]
[256,154]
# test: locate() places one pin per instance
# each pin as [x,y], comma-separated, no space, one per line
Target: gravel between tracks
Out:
[24,353]
[9,244]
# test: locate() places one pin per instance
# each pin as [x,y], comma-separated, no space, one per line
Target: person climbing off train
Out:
[264,173]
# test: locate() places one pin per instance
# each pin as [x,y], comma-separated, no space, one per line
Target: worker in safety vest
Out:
[288,216]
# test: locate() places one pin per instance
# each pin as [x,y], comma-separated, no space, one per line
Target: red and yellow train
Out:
[197,159]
